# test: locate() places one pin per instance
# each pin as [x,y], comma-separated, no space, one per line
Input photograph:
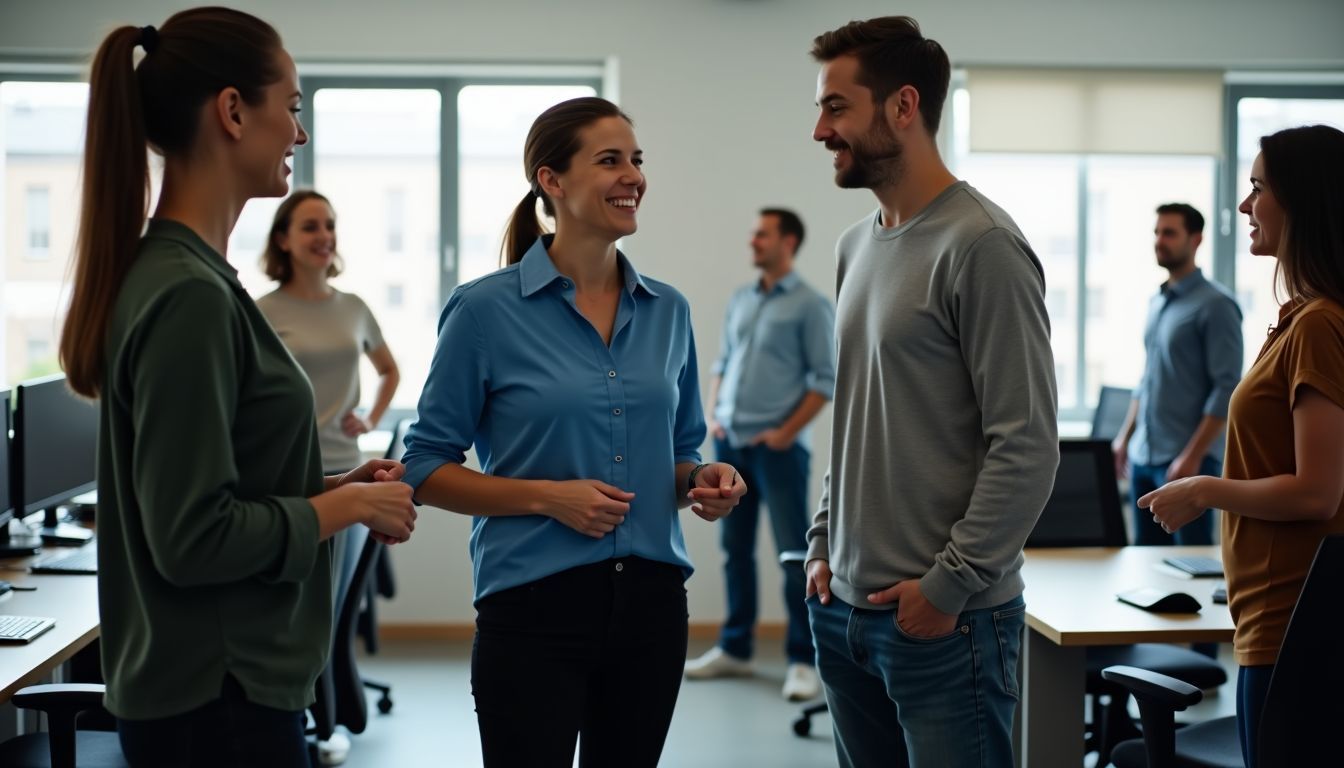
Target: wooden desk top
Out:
[71,600]
[1071,597]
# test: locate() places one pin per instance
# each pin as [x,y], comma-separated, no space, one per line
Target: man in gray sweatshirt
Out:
[944,445]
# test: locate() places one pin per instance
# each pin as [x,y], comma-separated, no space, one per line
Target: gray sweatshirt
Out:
[944,444]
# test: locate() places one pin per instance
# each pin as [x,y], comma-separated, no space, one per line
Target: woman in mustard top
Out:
[1283,483]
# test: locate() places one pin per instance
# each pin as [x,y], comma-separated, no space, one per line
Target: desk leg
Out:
[1051,715]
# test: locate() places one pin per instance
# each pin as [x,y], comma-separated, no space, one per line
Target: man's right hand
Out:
[388,510]
[590,507]
[1120,452]
[819,580]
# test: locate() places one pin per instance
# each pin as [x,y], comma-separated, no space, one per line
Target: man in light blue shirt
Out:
[1177,420]
[775,371]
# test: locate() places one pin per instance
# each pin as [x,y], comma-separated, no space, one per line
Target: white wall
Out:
[722,94]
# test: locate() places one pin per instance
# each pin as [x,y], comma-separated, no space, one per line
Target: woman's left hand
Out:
[375,471]
[717,489]
[1176,503]
[354,425]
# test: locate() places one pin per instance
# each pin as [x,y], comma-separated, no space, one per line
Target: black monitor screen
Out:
[6,502]
[1084,507]
[55,442]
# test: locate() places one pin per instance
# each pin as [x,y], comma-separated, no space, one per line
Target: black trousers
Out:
[229,732]
[594,653]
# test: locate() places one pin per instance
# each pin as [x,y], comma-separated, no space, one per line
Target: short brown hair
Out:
[279,264]
[892,54]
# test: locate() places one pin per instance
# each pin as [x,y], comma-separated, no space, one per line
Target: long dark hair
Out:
[1304,167]
[198,53]
[551,143]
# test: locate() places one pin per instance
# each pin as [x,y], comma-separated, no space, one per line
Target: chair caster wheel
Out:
[802,726]
[384,705]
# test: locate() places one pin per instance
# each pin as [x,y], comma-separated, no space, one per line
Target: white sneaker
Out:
[717,663]
[334,751]
[801,683]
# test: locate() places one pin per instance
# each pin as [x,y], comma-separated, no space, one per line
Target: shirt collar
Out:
[784,284]
[1185,284]
[167,229]
[536,270]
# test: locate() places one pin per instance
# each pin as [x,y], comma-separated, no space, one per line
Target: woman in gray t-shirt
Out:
[325,329]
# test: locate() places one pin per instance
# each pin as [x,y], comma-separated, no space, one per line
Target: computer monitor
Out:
[1112,408]
[1084,506]
[16,545]
[55,445]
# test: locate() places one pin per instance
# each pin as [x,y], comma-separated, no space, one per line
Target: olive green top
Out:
[208,556]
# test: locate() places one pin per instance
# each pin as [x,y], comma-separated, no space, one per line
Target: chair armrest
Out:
[1166,691]
[68,697]
[788,556]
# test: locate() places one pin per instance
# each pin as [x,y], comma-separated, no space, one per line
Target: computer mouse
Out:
[1159,601]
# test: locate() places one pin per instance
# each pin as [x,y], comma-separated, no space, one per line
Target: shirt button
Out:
[620,567]
[564,283]
[619,459]
[616,411]
[611,374]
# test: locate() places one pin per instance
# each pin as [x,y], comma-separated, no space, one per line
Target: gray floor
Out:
[720,723]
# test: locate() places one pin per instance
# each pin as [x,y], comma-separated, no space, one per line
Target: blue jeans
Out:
[779,478]
[1145,478]
[1252,689]
[945,702]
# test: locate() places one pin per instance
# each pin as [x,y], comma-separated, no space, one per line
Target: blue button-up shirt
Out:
[1194,345]
[523,375]
[776,347]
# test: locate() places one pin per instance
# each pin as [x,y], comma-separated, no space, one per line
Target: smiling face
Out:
[1265,213]
[310,240]
[867,153]
[604,185]
[274,132]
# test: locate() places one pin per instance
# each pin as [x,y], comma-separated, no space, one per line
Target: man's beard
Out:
[874,160]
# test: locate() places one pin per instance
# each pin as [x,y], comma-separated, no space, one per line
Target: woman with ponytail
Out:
[575,379]
[215,588]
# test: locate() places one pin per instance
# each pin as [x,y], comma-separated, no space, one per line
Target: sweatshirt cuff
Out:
[299,553]
[819,548]
[943,590]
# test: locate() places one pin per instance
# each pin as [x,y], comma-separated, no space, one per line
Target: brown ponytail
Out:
[116,196]
[198,53]
[551,143]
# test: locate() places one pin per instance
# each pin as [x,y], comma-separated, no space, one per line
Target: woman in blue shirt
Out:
[575,378]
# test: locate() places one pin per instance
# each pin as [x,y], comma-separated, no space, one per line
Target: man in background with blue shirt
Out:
[1177,420]
[775,371]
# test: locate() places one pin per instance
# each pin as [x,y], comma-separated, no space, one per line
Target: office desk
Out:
[71,600]
[1071,605]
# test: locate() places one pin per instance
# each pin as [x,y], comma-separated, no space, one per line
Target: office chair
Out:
[1112,407]
[1084,511]
[1303,711]
[383,583]
[62,745]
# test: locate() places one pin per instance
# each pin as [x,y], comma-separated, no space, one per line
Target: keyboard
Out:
[81,561]
[1196,565]
[22,629]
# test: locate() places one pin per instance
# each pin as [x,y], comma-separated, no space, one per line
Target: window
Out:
[41,136]
[395,296]
[39,222]
[396,219]
[1090,220]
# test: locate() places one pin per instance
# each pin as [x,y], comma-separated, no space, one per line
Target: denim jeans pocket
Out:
[962,628]
[1008,626]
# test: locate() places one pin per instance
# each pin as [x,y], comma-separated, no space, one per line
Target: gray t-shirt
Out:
[944,444]
[327,338]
